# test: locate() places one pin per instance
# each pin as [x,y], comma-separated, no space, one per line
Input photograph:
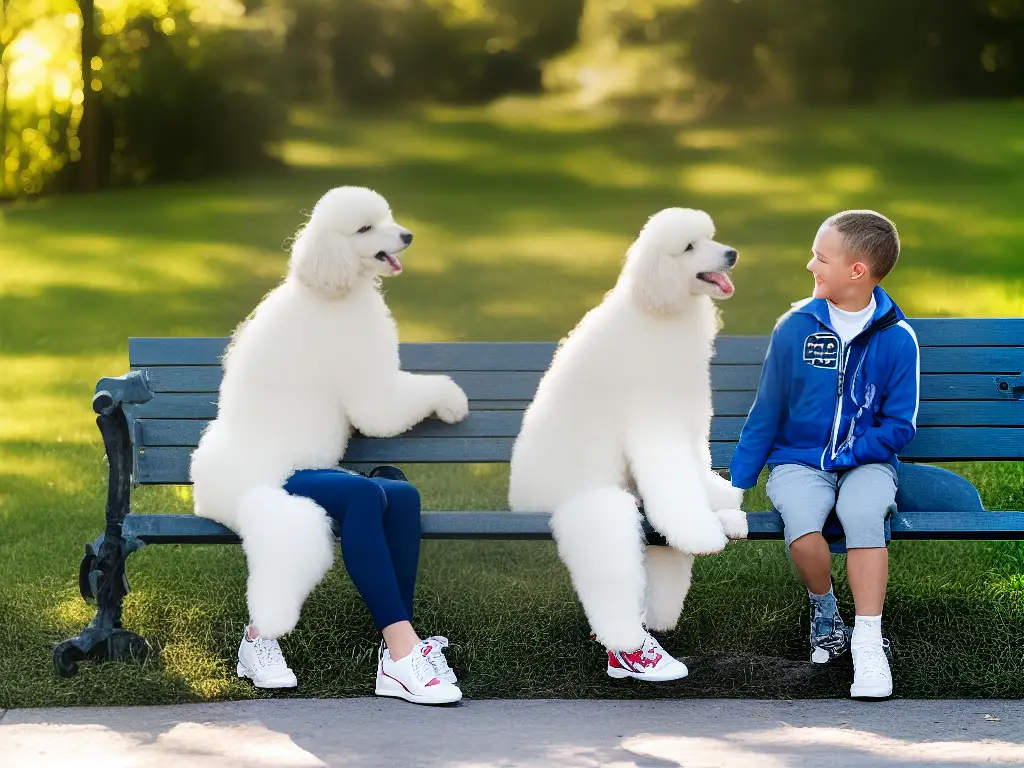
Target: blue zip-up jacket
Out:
[830,406]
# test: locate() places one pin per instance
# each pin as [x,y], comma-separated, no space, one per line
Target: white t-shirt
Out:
[849,324]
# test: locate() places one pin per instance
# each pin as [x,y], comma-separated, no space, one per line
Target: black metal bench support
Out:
[101,573]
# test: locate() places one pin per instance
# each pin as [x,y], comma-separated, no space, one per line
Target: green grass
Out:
[521,219]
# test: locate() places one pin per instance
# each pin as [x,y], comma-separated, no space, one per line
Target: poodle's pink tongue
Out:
[396,265]
[722,281]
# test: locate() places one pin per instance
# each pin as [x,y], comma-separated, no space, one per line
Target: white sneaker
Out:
[435,656]
[413,678]
[872,678]
[651,662]
[261,661]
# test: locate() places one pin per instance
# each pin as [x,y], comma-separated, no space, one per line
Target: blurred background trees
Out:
[97,93]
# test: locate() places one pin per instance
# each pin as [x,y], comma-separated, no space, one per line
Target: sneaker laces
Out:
[268,653]
[437,659]
[652,650]
[421,667]
[651,646]
[871,662]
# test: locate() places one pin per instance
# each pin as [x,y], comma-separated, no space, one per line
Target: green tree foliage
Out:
[177,88]
[375,51]
[759,52]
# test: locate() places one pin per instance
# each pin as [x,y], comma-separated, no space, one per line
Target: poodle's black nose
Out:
[731,256]
[407,238]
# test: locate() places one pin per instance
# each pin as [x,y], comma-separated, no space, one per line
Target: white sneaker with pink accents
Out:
[414,677]
[650,662]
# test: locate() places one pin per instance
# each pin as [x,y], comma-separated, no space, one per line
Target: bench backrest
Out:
[970,409]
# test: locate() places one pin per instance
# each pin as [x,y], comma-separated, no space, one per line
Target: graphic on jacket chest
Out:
[821,350]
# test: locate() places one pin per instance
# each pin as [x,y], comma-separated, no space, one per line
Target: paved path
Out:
[374,733]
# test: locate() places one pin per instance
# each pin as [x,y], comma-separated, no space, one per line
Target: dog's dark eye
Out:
[364,230]
[689,247]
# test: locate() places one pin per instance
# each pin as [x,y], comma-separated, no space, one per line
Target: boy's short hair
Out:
[871,236]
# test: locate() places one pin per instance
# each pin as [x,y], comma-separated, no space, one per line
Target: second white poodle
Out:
[622,415]
[316,359]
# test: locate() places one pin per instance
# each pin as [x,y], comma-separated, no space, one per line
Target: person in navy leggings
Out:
[378,520]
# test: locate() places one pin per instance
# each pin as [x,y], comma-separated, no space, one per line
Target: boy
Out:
[836,402]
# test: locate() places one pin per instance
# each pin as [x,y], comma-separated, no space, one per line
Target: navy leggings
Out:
[380,535]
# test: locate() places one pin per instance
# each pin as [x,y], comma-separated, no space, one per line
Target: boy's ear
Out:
[860,271]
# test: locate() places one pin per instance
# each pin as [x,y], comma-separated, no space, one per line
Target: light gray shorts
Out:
[863,497]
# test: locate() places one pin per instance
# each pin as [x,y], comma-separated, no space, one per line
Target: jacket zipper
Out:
[853,419]
[844,355]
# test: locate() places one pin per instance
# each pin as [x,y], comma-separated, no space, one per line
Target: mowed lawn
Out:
[521,220]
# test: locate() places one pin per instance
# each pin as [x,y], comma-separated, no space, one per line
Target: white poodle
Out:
[623,413]
[316,359]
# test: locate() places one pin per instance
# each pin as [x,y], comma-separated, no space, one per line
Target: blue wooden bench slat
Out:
[159,465]
[933,414]
[994,413]
[931,332]
[917,525]
[976,359]
[425,357]
[493,385]
[206,378]
[479,385]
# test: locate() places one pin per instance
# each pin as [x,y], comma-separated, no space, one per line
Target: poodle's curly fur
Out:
[622,415]
[316,359]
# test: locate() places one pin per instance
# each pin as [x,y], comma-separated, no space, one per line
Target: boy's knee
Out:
[805,544]
[863,524]
[867,497]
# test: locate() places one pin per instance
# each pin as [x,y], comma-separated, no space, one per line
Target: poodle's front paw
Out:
[722,494]
[453,405]
[734,522]
[700,534]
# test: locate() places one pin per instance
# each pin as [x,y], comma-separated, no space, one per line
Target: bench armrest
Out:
[112,392]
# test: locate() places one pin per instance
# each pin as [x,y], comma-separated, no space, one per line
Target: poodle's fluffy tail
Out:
[601,542]
[289,546]
[668,581]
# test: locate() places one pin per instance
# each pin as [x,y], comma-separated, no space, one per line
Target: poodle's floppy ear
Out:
[323,261]
[659,288]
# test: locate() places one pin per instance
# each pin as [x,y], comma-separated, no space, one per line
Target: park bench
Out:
[972,409]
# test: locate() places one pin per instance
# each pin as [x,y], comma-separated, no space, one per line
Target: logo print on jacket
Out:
[821,350]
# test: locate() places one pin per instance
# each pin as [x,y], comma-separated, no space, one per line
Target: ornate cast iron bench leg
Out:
[101,575]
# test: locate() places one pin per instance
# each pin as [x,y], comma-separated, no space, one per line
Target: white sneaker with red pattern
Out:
[650,662]
[414,677]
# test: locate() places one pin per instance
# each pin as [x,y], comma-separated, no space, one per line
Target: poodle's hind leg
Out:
[601,542]
[289,546]
[674,498]
[668,580]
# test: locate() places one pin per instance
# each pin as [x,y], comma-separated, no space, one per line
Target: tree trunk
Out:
[88,165]
[4,84]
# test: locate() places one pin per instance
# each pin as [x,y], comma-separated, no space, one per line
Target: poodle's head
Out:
[674,258]
[351,235]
